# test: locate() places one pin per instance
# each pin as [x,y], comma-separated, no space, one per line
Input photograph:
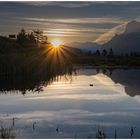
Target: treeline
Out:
[31,53]
[111,53]
[104,58]
[21,41]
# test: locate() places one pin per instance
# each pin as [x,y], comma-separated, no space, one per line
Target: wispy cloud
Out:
[69,27]
[73,31]
[80,20]
[61,3]
[108,35]
[76,4]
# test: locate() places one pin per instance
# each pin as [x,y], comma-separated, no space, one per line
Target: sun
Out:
[56,43]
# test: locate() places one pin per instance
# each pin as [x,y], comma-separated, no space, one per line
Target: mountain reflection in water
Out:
[129,78]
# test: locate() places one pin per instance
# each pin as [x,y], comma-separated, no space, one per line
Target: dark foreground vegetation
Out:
[11,133]
[31,54]
[6,133]
[30,61]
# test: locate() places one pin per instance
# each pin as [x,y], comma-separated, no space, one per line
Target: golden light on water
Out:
[56,43]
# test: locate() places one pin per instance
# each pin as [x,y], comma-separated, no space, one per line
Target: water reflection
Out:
[129,78]
[30,83]
[69,109]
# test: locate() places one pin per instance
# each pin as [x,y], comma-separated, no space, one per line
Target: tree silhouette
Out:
[31,39]
[97,53]
[39,37]
[111,53]
[104,52]
[22,37]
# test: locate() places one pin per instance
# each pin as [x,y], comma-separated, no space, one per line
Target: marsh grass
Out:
[100,134]
[7,133]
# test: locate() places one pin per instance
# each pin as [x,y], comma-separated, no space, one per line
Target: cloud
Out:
[61,4]
[108,35]
[75,26]
[68,26]
[73,31]
[70,20]
[76,4]
[2,14]
[80,20]
[70,4]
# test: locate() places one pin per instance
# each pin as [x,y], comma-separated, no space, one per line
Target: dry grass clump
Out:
[6,133]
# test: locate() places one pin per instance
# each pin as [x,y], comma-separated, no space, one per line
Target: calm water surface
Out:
[70,108]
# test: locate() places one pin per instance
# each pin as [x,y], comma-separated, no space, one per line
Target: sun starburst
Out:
[56,43]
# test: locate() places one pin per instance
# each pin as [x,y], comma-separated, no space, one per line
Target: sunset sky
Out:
[68,21]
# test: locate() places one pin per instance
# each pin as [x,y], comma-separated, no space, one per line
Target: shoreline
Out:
[104,67]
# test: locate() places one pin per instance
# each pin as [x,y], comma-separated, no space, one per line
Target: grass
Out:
[100,134]
[7,133]
[113,62]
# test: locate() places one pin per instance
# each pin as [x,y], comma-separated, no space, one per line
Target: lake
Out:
[77,106]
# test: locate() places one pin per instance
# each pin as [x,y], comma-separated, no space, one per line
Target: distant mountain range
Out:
[128,41]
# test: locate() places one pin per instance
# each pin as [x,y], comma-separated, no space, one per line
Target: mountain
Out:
[132,27]
[128,78]
[85,46]
[128,41]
